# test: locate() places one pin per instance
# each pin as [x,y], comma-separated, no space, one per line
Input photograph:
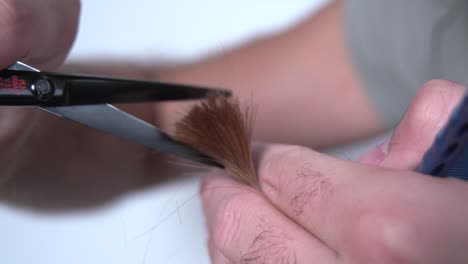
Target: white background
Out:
[164,224]
[179,29]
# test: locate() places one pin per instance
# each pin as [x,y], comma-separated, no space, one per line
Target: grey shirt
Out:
[397,45]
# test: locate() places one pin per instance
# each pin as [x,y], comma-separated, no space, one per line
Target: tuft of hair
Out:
[221,127]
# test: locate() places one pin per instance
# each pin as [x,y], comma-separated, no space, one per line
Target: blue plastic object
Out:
[448,156]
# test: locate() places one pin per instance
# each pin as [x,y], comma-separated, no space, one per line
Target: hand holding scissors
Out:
[86,100]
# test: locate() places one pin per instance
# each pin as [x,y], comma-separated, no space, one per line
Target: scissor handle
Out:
[22,88]
[448,156]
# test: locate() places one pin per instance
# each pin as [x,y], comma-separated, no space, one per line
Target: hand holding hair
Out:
[312,208]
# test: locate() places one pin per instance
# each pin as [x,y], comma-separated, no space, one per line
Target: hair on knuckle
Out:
[270,245]
[313,188]
[282,156]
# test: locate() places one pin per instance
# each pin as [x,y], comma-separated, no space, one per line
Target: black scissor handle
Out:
[21,88]
[18,87]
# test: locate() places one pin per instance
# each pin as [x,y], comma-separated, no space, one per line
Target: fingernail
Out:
[377,155]
[383,149]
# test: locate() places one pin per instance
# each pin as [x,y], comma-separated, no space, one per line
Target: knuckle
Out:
[276,159]
[312,191]
[228,228]
[435,85]
[438,91]
[432,103]
[275,163]
[428,112]
[385,235]
[425,109]
[290,177]
[270,245]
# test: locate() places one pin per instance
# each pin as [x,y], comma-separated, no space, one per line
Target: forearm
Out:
[302,81]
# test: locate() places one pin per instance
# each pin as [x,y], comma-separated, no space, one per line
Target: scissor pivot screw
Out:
[43,89]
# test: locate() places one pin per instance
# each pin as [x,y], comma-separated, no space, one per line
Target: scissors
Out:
[448,155]
[87,100]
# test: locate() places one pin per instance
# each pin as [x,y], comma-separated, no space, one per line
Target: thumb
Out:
[426,116]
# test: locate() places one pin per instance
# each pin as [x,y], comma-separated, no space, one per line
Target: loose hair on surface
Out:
[221,127]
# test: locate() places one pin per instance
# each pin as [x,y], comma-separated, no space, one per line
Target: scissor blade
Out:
[109,119]
[19,66]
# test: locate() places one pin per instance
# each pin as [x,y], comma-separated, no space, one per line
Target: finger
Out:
[246,227]
[37,32]
[376,155]
[215,255]
[426,116]
[342,203]
[309,188]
